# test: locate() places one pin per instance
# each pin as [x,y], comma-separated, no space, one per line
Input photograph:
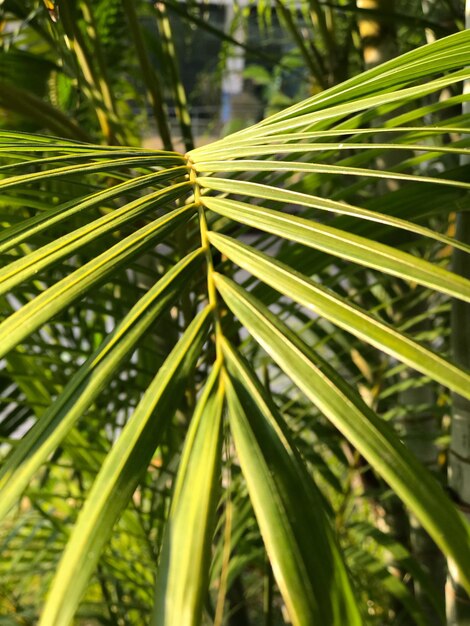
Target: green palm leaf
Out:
[185,558]
[312,578]
[136,223]
[87,383]
[23,322]
[370,435]
[120,474]
[330,306]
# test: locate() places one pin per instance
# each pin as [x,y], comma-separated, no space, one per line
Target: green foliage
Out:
[201,350]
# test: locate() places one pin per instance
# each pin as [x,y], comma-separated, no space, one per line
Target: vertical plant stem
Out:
[430,34]
[377,34]
[150,77]
[181,103]
[101,75]
[211,289]
[320,22]
[310,60]
[93,85]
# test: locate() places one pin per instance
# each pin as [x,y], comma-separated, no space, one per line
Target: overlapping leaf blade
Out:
[372,437]
[27,319]
[87,383]
[344,245]
[120,474]
[16,234]
[351,318]
[185,557]
[24,268]
[288,506]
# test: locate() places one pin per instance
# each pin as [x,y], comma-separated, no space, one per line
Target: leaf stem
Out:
[204,230]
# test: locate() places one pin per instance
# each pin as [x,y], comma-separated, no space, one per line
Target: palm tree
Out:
[168,388]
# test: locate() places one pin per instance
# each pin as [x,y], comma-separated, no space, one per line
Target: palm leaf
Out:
[89,231]
[288,507]
[120,473]
[185,558]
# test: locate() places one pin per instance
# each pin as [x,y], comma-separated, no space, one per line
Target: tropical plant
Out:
[167,408]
